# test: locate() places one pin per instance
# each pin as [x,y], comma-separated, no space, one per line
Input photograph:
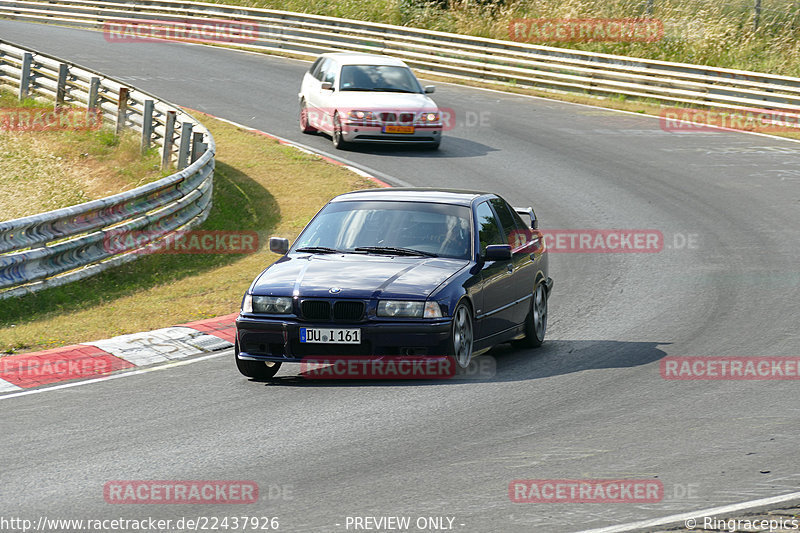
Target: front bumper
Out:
[374,134]
[271,339]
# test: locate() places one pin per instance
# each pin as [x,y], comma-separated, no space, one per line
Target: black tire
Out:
[462,336]
[255,369]
[433,146]
[536,321]
[338,142]
[305,126]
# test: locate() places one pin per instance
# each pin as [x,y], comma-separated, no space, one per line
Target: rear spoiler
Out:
[529,212]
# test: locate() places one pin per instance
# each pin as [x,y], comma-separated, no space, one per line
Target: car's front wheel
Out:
[461,336]
[338,140]
[305,125]
[536,321]
[255,369]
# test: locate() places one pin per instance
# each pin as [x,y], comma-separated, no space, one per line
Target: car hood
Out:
[357,276]
[384,101]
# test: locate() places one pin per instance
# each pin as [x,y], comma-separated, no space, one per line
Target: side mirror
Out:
[497,252]
[278,245]
[529,212]
[326,86]
[430,89]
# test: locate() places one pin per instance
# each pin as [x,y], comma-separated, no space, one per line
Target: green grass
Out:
[45,170]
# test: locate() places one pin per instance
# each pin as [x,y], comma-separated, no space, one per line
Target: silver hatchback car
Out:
[367,98]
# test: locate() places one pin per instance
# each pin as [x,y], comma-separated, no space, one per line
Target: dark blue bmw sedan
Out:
[398,272]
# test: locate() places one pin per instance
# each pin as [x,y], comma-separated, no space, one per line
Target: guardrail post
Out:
[93,108]
[198,146]
[61,87]
[94,92]
[183,151]
[147,125]
[757,15]
[25,77]
[122,108]
[169,135]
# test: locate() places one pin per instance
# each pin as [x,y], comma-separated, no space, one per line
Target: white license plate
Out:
[330,335]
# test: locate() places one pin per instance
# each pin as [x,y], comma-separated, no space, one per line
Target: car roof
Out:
[351,58]
[415,194]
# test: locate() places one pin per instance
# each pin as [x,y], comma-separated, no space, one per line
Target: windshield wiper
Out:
[318,250]
[378,89]
[393,90]
[391,250]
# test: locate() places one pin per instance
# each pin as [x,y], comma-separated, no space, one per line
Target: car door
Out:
[310,81]
[316,96]
[327,97]
[496,313]
[523,275]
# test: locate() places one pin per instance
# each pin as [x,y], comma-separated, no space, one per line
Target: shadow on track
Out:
[554,358]
[452,147]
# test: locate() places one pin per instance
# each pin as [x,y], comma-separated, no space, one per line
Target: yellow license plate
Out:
[398,129]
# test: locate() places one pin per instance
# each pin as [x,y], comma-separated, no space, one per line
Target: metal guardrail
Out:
[72,243]
[452,55]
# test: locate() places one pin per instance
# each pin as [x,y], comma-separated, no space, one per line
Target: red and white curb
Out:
[100,358]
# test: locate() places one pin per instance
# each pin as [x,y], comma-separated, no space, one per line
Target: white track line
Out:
[694,515]
[123,374]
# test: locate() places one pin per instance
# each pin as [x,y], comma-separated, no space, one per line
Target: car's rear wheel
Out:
[255,369]
[338,140]
[536,321]
[305,125]
[461,337]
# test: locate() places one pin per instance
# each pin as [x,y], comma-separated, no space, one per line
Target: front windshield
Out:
[440,229]
[378,78]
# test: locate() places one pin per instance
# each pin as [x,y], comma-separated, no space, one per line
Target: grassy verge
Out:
[259,185]
[721,34]
[45,170]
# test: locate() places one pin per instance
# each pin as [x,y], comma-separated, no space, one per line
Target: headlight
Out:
[429,117]
[247,304]
[399,308]
[361,115]
[280,305]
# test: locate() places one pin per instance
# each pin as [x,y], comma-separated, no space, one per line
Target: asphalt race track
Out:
[591,403]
